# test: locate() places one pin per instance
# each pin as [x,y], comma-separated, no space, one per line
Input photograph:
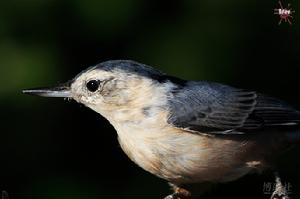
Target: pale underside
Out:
[182,157]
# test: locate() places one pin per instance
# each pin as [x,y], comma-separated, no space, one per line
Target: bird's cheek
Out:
[80,98]
[115,100]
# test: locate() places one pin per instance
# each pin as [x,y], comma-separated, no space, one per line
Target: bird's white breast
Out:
[182,157]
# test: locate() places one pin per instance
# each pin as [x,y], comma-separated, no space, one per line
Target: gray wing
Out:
[215,108]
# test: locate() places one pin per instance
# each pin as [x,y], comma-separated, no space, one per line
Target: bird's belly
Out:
[201,159]
[181,157]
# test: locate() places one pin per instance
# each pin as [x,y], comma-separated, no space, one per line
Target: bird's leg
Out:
[280,191]
[4,195]
[172,196]
[179,193]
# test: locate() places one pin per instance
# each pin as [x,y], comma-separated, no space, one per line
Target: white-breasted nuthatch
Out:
[186,132]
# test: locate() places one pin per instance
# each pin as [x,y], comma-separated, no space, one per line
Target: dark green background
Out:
[54,149]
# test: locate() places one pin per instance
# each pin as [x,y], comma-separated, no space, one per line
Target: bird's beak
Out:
[62,90]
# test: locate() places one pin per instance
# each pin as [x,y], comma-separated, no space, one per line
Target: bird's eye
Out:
[93,85]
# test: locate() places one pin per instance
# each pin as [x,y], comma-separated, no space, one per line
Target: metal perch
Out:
[4,195]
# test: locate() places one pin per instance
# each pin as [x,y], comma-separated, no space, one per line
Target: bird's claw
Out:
[280,191]
[172,196]
[277,196]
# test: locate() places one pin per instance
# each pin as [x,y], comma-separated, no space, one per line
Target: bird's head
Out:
[112,86]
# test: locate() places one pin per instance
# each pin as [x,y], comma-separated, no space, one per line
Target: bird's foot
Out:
[173,196]
[179,193]
[280,191]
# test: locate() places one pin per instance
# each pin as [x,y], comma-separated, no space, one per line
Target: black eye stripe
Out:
[93,85]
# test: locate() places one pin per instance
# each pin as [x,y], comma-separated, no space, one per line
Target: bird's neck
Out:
[146,108]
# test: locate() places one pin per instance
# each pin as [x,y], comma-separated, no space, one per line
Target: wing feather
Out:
[215,108]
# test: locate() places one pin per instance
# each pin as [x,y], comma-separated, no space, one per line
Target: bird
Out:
[185,132]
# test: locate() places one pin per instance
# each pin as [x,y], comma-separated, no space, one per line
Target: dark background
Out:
[55,149]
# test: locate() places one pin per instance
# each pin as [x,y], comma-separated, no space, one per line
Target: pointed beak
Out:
[63,90]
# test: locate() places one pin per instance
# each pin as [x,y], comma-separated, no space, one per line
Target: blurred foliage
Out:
[52,149]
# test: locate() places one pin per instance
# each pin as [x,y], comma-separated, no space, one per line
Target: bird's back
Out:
[221,109]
